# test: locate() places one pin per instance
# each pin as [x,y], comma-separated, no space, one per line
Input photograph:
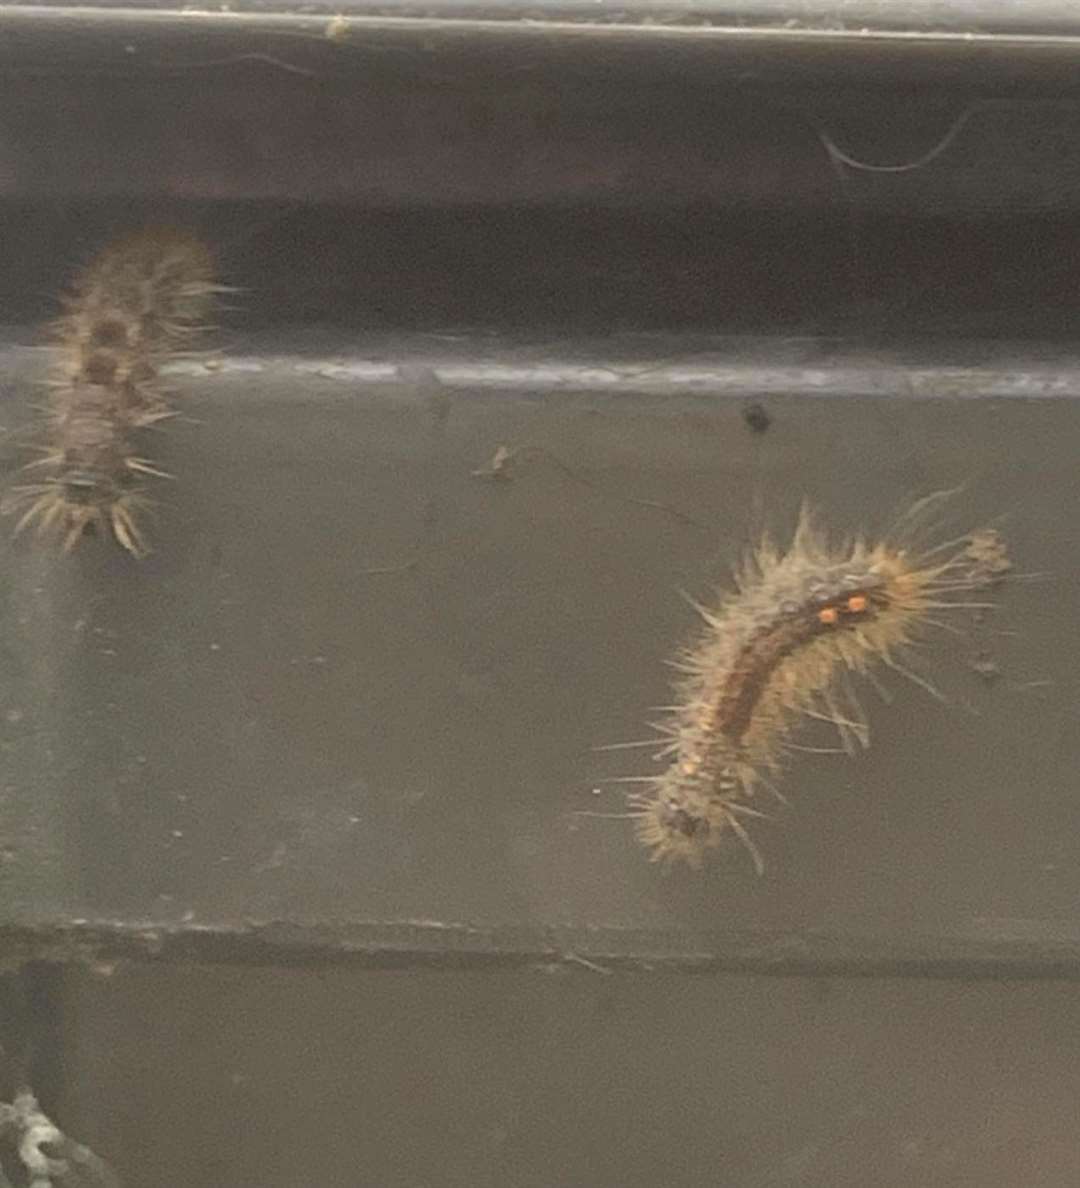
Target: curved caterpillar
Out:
[779,649]
[142,299]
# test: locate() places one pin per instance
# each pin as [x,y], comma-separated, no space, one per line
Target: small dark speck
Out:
[756,418]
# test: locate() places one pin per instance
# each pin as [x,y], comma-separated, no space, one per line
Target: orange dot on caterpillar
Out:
[780,648]
[138,303]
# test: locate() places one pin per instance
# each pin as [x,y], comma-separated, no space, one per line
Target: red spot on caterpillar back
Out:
[141,300]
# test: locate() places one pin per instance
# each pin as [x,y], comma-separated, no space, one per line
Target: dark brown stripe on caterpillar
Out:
[823,613]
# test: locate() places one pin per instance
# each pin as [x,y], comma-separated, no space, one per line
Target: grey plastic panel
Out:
[251,726]
[297,867]
[543,1077]
[966,18]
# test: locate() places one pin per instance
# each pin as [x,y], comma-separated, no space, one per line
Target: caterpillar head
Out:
[689,814]
[673,832]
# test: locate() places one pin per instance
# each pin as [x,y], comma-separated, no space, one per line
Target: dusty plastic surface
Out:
[251,726]
[324,755]
[569,1076]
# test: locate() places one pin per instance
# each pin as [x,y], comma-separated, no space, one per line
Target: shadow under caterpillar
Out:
[142,300]
[780,648]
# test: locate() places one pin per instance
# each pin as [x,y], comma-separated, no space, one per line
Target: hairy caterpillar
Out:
[779,649]
[141,300]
